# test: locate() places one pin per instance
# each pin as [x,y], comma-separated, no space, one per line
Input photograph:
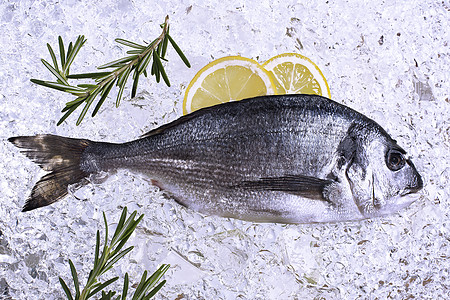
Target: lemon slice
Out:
[297,74]
[227,79]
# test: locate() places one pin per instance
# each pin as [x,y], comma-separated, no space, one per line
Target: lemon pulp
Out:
[227,79]
[296,74]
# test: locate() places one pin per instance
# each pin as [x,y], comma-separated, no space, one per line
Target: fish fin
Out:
[180,120]
[172,124]
[305,186]
[195,114]
[60,156]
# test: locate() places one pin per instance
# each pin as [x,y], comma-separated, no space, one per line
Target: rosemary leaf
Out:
[102,286]
[178,50]
[96,271]
[155,66]
[71,103]
[69,50]
[119,246]
[129,224]
[52,54]
[130,44]
[89,75]
[157,275]
[119,95]
[65,288]
[61,52]
[134,51]
[118,256]
[144,63]
[74,104]
[97,248]
[154,290]
[69,53]
[89,101]
[68,112]
[82,94]
[105,246]
[140,287]
[87,86]
[131,228]
[76,48]
[118,62]
[121,221]
[105,93]
[57,86]
[153,71]
[164,47]
[151,46]
[125,287]
[75,279]
[124,76]
[146,284]
[55,72]
[159,49]
[107,296]
[135,83]
[161,68]
[121,83]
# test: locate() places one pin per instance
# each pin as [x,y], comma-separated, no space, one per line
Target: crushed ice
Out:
[387,60]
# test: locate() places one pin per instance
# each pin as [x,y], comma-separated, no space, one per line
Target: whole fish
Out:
[288,159]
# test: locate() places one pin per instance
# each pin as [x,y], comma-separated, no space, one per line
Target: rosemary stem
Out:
[116,73]
[137,61]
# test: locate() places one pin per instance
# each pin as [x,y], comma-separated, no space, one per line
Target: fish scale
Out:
[289,158]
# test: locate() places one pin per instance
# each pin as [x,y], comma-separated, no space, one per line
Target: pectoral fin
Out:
[305,186]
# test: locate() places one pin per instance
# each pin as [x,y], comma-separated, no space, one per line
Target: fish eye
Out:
[395,160]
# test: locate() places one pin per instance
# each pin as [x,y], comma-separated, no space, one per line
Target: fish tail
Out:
[60,156]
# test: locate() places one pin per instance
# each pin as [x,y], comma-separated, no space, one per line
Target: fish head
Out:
[382,178]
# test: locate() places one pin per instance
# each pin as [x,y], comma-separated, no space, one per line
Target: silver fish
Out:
[288,159]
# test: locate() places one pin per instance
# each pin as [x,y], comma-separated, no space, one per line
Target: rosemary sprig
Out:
[136,63]
[105,260]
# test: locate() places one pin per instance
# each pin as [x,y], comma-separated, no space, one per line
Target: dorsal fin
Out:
[176,122]
[225,107]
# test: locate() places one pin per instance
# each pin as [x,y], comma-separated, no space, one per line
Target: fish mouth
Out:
[408,192]
[408,196]
[416,186]
[412,189]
